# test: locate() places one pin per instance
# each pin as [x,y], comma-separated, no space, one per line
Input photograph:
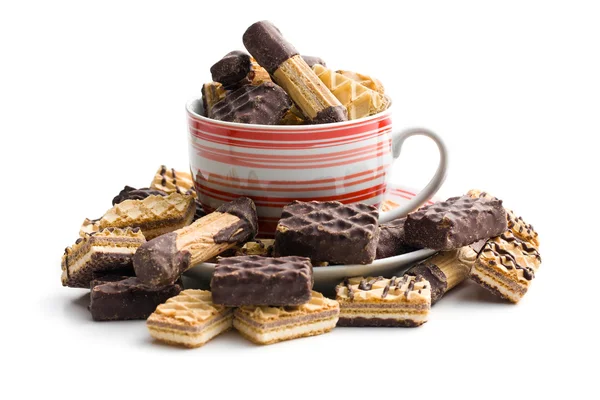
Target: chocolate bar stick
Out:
[445,270]
[162,260]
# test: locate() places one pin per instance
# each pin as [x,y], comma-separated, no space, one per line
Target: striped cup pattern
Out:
[274,165]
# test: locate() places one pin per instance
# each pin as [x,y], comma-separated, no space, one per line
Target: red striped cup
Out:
[274,165]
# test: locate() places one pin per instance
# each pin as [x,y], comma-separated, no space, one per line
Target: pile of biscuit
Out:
[274,85]
[132,259]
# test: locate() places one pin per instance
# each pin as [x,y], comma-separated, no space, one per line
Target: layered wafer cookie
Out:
[391,240]
[267,325]
[131,193]
[445,270]
[189,319]
[515,224]
[154,215]
[237,69]
[365,80]
[359,100]
[162,260]
[506,266]
[287,68]
[106,250]
[171,181]
[328,231]
[212,93]
[377,301]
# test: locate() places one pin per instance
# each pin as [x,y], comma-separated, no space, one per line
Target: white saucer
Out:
[332,275]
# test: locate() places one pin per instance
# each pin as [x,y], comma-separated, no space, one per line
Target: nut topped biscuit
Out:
[377,301]
[266,325]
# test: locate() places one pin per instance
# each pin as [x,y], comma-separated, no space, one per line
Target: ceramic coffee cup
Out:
[348,162]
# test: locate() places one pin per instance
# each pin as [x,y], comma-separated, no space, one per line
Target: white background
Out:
[92,98]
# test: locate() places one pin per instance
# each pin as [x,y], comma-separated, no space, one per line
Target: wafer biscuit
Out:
[365,80]
[189,319]
[378,301]
[171,181]
[267,325]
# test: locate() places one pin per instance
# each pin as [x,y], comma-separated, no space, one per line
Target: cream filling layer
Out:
[497,284]
[190,338]
[77,265]
[422,316]
[284,333]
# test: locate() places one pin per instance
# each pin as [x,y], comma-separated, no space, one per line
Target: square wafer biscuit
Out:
[189,319]
[267,325]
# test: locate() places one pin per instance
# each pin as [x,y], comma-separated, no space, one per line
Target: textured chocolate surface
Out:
[131,193]
[312,60]
[246,228]
[456,222]
[256,280]
[266,44]
[437,279]
[199,212]
[331,115]
[231,69]
[391,240]
[123,298]
[328,231]
[357,322]
[264,104]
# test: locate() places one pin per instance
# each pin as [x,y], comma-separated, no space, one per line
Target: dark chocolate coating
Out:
[328,232]
[266,44]
[245,210]
[437,279]
[391,240]
[124,298]
[330,115]
[358,322]
[231,69]
[199,212]
[131,193]
[456,222]
[264,104]
[312,60]
[158,262]
[256,280]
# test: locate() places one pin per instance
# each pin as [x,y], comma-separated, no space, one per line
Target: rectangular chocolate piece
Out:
[456,222]
[257,281]
[328,232]
[122,298]
[391,240]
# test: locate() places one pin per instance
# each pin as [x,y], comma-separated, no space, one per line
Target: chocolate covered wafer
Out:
[161,261]
[391,240]
[287,68]
[377,301]
[328,231]
[127,298]
[236,69]
[265,104]
[256,280]
[454,223]
[107,250]
[131,193]
[445,270]
[212,93]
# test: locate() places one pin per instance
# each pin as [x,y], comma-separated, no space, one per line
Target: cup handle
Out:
[434,184]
